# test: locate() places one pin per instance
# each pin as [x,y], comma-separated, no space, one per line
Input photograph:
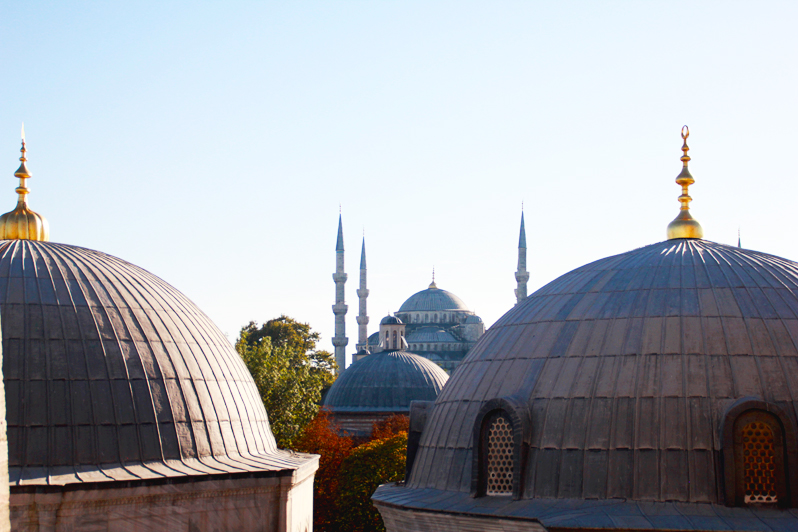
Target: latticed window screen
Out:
[500,456]
[759,463]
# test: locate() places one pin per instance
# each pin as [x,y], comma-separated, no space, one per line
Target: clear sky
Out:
[212,142]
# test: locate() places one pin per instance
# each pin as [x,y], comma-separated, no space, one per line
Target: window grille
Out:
[500,456]
[759,463]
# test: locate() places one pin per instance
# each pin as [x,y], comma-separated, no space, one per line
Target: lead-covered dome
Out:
[385,382]
[432,299]
[112,374]
[623,378]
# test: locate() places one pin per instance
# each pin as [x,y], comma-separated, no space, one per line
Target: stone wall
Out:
[411,520]
[360,423]
[265,503]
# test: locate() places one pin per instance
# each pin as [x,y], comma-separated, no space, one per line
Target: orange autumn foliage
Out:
[390,427]
[333,505]
[321,436]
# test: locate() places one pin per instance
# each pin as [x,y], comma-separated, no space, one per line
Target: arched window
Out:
[498,453]
[394,340]
[435,318]
[502,436]
[759,442]
[759,459]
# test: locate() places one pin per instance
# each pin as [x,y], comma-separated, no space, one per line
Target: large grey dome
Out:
[630,371]
[112,374]
[432,299]
[385,382]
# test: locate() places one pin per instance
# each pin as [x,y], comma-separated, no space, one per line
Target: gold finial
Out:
[22,223]
[432,284]
[684,226]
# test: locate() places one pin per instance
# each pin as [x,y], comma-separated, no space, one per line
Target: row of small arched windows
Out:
[756,469]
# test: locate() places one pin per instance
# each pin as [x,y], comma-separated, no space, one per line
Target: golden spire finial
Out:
[22,223]
[684,226]
[432,284]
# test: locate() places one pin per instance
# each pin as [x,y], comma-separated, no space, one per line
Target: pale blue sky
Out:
[211,142]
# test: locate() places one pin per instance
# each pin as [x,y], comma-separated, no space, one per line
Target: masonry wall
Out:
[270,504]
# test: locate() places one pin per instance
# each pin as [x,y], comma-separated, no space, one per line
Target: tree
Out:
[288,370]
[390,426]
[321,436]
[368,466]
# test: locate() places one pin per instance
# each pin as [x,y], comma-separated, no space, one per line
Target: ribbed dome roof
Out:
[627,366]
[431,334]
[385,381]
[432,299]
[112,374]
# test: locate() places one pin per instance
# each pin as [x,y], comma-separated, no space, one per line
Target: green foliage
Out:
[368,466]
[289,371]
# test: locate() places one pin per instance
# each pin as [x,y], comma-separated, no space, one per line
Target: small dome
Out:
[112,374]
[432,299]
[385,382]
[627,367]
[473,318]
[430,334]
[390,320]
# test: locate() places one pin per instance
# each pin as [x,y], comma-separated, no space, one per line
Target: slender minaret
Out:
[339,309]
[521,276]
[739,244]
[362,295]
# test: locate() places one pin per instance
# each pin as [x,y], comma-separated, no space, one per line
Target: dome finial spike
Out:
[22,223]
[684,226]
[432,284]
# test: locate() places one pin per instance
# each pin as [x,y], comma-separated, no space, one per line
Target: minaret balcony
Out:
[362,292]
[337,341]
[339,308]
[340,277]
[362,320]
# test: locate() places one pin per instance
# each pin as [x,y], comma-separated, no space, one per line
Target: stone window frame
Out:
[518,414]
[787,453]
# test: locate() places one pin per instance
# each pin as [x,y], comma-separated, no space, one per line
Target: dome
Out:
[390,320]
[627,371]
[112,374]
[385,382]
[432,299]
[473,318]
[431,334]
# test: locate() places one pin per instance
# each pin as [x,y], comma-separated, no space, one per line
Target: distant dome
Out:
[472,319]
[112,374]
[628,369]
[390,320]
[386,381]
[432,299]
[430,334]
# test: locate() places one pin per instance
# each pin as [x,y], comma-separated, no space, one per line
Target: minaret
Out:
[362,295]
[339,309]
[22,223]
[521,275]
[684,225]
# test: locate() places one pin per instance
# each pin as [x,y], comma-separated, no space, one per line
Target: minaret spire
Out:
[521,275]
[22,223]
[362,294]
[339,309]
[684,225]
[739,244]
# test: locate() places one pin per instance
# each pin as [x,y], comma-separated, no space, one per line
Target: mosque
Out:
[437,324]
[127,408]
[652,390]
